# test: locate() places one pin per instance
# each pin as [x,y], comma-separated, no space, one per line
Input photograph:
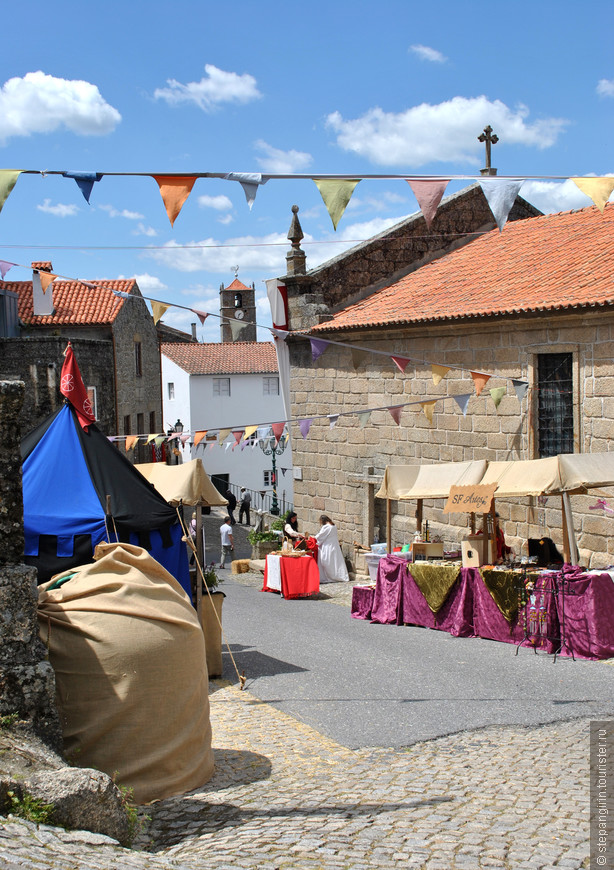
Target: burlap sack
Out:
[131,673]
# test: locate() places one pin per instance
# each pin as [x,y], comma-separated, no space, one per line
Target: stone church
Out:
[532,304]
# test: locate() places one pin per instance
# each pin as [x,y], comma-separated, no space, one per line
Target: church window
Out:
[238,300]
[555,427]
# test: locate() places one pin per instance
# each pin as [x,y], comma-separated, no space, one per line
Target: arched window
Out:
[238,300]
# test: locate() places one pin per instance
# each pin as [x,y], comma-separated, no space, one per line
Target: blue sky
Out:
[326,87]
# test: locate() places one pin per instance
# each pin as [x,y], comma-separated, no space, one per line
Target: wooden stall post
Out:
[570,547]
[201,561]
[419,507]
[388,527]
[485,539]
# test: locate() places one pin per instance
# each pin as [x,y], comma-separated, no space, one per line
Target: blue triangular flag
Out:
[500,195]
[463,402]
[521,388]
[318,346]
[85,181]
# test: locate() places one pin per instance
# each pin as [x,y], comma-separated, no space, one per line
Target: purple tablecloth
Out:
[586,613]
[455,614]
[362,601]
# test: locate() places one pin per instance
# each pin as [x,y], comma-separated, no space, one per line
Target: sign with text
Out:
[470,499]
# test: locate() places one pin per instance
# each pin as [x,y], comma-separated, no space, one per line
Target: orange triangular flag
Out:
[198,436]
[46,279]
[400,362]
[428,408]
[439,372]
[479,380]
[131,441]
[175,189]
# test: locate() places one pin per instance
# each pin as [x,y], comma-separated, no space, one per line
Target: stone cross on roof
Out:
[489,139]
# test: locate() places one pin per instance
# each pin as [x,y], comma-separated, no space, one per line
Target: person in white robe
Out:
[330,558]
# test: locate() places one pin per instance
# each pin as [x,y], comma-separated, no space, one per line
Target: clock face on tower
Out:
[239,315]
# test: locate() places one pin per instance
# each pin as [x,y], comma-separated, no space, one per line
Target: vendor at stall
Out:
[291,531]
[503,551]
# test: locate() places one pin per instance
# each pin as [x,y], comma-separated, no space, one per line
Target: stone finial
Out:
[489,139]
[295,258]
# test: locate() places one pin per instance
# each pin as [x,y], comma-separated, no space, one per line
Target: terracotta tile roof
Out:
[227,358]
[236,285]
[73,302]
[548,263]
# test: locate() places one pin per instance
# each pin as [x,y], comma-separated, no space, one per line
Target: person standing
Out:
[227,540]
[232,503]
[330,558]
[244,506]
[291,531]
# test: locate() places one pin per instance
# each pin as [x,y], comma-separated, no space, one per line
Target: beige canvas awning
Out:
[188,483]
[429,481]
[570,473]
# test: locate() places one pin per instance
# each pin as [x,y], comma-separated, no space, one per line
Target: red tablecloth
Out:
[300,576]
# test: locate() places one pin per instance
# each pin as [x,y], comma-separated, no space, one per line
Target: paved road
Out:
[384,685]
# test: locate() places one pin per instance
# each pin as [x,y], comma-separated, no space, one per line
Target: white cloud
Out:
[408,138]
[142,230]
[225,219]
[58,210]
[279,162]
[124,213]
[40,103]
[219,203]
[251,253]
[553,196]
[605,87]
[147,283]
[210,92]
[426,53]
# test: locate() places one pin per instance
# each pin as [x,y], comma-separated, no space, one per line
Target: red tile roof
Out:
[227,358]
[236,285]
[73,302]
[548,263]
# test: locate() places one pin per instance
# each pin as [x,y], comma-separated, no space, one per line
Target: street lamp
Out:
[273,448]
[177,429]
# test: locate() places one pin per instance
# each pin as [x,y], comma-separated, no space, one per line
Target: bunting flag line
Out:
[332,420]
[318,346]
[363,418]
[601,505]
[480,379]
[121,293]
[223,435]
[395,413]
[336,196]
[249,431]
[174,190]
[158,309]
[131,441]
[159,440]
[438,373]
[521,388]
[8,180]
[463,402]
[238,434]
[500,196]
[497,394]
[598,189]
[305,426]
[428,408]
[249,181]
[428,194]
[150,438]
[358,357]
[73,389]
[236,327]
[198,436]
[278,430]
[85,181]
[400,362]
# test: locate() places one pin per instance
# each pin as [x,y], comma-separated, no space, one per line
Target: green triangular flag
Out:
[363,418]
[8,179]
[336,195]
[497,394]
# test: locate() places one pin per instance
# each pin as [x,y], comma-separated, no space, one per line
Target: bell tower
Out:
[238,311]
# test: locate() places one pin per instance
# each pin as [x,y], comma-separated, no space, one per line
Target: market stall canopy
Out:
[188,483]
[429,481]
[568,472]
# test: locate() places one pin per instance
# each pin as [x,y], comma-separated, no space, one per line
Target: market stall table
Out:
[293,576]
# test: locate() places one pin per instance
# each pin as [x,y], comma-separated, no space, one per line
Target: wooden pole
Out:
[566,554]
[574,556]
[485,539]
[201,561]
[419,507]
[388,526]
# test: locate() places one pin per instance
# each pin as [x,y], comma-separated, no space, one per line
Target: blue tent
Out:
[79,490]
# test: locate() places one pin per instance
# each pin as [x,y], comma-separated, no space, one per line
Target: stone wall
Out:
[27,683]
[37,361]
[332,461]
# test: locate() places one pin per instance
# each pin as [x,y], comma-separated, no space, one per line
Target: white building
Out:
[230,385]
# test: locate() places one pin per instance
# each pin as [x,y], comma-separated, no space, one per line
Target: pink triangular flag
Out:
[428,194]
[238,434]
[395,413]
[400,362]
[4,267]
[278,430]
[202,315]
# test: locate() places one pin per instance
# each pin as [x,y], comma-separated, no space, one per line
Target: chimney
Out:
[42,302]
[194,338]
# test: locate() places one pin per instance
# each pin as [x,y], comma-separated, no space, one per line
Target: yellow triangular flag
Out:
[46,279]
[223,435]
[598,189]
[158,309]
[198,437]
[336,195]
[428,408]
[150,438]
[249,430]
[8,179]
[131,441]
[175,189]
[439,372]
